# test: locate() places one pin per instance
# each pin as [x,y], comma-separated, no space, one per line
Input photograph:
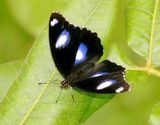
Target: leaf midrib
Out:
[98,3]
[149,62]
[37,100]
[149,68]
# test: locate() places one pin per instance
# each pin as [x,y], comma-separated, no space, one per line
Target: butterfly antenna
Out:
[51,82]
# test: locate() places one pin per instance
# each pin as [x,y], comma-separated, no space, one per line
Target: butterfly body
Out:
[75,52]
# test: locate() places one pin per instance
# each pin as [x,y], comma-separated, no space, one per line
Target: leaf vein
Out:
[97,4]
[149,62]
[37,100]
[139,9]
[151,71]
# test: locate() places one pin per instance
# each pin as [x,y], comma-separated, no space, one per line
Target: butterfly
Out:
[76,52]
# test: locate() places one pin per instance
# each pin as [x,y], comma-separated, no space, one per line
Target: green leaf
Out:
[29,103]
[126,40]
[34,104]
[8,74]
[143,29]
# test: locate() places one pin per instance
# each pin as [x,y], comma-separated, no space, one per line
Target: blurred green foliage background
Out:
[15,41]
[20,24]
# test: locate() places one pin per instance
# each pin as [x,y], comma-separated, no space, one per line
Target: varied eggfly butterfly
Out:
[75,52]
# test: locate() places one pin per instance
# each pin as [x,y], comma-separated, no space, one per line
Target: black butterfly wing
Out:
[107,77]
[72,47]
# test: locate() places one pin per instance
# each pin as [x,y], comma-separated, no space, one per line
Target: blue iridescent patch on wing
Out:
[81,54]
[63,39]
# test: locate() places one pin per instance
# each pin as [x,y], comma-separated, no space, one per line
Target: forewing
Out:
[72,47]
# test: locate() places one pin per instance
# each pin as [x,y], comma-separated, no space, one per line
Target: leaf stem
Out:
[149,70]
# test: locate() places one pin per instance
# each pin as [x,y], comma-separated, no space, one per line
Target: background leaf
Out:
[155,117]
[14,40]
[36,13]
[143,29]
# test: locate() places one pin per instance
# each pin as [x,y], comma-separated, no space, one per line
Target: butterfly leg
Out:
[72,94]
[59,94]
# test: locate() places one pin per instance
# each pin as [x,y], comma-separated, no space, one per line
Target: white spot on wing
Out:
[99,74]
[96,75]
[105,84]
[63,39]
[54,22]
[81,54]
[120,89]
